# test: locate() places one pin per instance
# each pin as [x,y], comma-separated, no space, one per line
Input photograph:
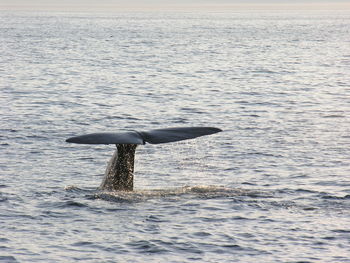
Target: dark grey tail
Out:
[119,173]
[153,136]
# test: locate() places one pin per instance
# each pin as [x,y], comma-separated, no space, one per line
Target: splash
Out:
[206,192]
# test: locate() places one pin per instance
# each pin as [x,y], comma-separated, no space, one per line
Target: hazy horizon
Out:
[221,5]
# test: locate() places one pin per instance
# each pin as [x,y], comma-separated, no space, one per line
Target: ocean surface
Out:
[274,186]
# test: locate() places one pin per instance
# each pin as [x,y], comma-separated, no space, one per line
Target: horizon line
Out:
[182,7]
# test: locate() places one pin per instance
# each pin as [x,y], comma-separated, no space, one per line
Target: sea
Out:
[273,186]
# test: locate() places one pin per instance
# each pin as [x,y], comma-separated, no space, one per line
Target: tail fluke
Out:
[108,138]
[176,134]
[153,136]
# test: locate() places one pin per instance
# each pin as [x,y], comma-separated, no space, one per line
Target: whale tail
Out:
[119,173]
[153,136]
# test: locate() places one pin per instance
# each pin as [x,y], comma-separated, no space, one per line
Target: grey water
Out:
[273,187]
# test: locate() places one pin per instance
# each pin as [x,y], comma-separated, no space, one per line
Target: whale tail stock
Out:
[119,173]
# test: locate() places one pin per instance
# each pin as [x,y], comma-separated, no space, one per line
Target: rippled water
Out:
[273,187]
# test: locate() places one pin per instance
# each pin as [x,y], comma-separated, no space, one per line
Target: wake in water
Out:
[297,199]
[206,192]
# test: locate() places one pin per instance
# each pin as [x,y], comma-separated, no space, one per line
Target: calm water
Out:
[273,187]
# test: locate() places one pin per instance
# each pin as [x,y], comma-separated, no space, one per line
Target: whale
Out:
[119,174]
